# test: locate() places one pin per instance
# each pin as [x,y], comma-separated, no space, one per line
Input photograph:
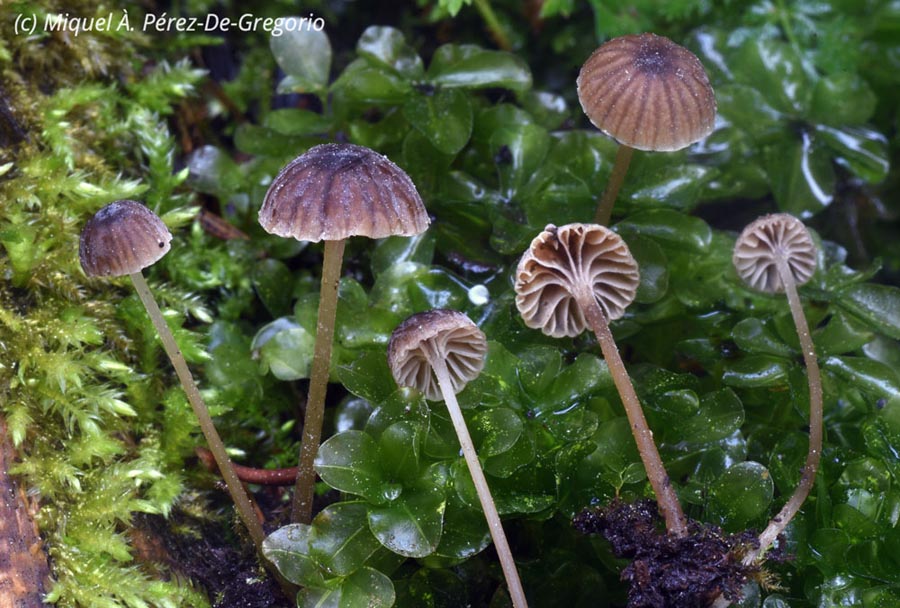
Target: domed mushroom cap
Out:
[648,93]
[122,238]
[445,334]
[335,191]
[770,237]
[560,262]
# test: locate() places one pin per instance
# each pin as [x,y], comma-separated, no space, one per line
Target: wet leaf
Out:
[444,118]
[670,227]
[365,588]
[288,549]
[387,47]
[877,305]
[411,524]
[463,65]
[349,462]
[304,54]
[340,540]
[742,493]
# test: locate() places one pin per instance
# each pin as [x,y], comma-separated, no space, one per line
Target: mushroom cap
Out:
[335,191]
[124,237]
[766,239]
[648,93]
[561,261]
[446,334]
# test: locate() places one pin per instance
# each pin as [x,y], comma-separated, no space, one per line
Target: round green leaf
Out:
[670,227]
[387,47]
[877,305]
[288,549]
[465,65]
[340,540]
[742,493]
[411,525]
[365,588]
[756,371]
[444,117]
[349,462]
[303,53]
[285,349]
[494,431]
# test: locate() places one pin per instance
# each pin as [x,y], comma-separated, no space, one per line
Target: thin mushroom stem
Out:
[813,457]
[517,594]
[620,168]
[241,501]
[301,507]
[643,436]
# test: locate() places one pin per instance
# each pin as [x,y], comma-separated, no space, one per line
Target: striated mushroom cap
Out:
[122,238]
[445,334]
[335,191]
[648,93]
[561,261]
[768,238]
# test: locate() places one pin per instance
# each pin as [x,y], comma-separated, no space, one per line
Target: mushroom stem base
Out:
[616,178]
[301,507]
[241,500]
[643,436]
[507,563]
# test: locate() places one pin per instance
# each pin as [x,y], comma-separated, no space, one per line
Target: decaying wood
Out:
[23,564]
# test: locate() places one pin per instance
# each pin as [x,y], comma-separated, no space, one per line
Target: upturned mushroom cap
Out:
[648,93]
[122,238]
[447,334]
[770,237]
[559,262]
[335,191]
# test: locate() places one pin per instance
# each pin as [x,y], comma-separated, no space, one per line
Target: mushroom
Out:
[330,193]
[581,276]
[438,352]
[647,93]
[123,238]
[775,254]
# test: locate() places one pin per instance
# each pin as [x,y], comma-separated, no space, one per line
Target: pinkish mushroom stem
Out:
[507,563]
[814,379]
[242,502]
[301,507]
[616,178]
[643,436]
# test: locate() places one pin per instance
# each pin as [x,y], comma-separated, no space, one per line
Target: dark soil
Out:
[665,571]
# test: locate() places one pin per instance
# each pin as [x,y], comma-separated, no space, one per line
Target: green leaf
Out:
[292,121]
[843,98]
[364,83]
[365,588]
[519,153]
[801,174]
[876,305]
[387,47]
[368,376]
[288,549]
[862,151]
[720,414]
[671,227]
[494,431]
[348,462]
[754,336]
[285,349]
[411,524]
[272,281]
[742,493]
[653,265]
[776,69]
[340,540]
[465,65]
[755,371]
[865,374]
[303,53]
[398,450]
[842,334]
[444,118]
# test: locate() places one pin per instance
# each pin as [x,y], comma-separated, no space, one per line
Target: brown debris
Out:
[666,571]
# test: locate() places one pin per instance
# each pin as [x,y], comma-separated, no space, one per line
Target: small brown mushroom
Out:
[581,276]
[124,238]
[774,254]
[647,93]
[438,353]
[330,193]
